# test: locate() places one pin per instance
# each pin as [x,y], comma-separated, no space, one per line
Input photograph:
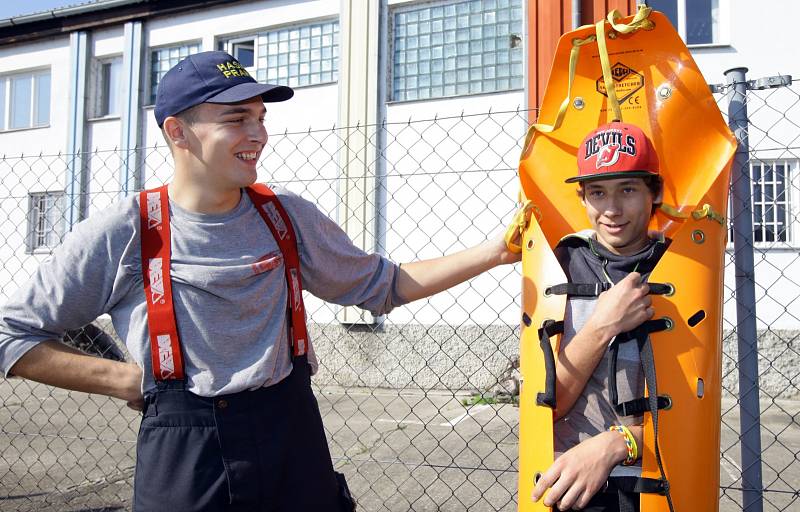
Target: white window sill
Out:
[110,117]
[27,128]
[708,46]
[466,94]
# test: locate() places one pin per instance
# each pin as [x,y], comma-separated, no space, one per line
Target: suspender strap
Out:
[165,348]
[273,213]
[595,289]
[549,328]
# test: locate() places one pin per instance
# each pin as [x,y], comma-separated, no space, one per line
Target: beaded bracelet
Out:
[630,443]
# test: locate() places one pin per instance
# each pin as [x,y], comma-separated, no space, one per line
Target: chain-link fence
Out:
[420,406]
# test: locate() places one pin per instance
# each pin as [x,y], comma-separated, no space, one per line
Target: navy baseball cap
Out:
[210,77]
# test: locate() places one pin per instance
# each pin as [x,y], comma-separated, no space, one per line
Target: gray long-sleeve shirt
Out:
[231,311]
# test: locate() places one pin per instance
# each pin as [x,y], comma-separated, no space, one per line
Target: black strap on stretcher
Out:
[626,487]
[595,289]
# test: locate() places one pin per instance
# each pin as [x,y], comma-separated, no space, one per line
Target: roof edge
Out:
[64,20]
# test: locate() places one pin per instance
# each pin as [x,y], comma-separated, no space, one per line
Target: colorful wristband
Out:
[630,443]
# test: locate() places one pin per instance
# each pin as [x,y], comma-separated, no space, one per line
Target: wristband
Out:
[630,444]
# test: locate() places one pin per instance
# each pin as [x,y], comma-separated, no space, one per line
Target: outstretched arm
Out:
[581,471]
[60,365]
[622,308]
[421,279]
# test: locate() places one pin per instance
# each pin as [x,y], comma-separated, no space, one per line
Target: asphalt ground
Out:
[407,450]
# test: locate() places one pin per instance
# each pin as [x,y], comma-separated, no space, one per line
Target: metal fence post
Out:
[746,332]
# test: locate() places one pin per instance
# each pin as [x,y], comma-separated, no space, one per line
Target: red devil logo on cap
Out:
[607,156]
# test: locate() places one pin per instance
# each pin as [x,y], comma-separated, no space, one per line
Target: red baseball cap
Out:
[615,150]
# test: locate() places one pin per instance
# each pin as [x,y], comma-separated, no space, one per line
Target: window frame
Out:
[262,54]
[516,39]
[226,44]
[151,87]
[100,89]
[723,8]
[36,242]
[33,112]
[792,205]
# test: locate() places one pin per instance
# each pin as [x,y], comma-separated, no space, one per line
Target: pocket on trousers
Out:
[346,501]
[179,468]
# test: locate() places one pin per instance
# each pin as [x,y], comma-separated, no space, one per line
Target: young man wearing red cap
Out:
[203,281]
[620,187]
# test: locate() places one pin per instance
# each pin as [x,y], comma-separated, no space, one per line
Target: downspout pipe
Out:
[576,14]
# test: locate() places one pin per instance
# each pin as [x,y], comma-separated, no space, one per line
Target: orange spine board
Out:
[661,90]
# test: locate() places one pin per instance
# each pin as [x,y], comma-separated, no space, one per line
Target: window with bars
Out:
[771,187]
[299,55]
[455,48]
[45,220]
[162,59]
[25,100]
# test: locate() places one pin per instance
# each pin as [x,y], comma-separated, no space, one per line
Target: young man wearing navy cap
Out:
[202,279]
[597,447]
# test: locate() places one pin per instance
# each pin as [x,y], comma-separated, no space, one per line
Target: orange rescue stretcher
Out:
[637,68]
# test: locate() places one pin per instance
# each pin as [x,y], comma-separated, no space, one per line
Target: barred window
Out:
[299,55]
[771,189]
[162,59]
[45,220]
[454,48]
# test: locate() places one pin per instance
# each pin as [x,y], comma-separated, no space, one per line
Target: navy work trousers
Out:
[262,450]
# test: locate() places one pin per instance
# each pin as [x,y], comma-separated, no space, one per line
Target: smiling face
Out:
[619,211]
[224,143]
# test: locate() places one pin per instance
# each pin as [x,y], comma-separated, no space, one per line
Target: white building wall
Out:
[442,198]
[433,207]
[31,159]
[758,38]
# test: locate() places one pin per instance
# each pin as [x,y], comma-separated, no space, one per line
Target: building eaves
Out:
[93,15]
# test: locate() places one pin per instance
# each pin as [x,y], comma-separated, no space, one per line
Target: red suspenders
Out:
[165,346]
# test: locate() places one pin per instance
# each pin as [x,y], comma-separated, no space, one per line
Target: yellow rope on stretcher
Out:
[706,211]
[519,224]
[640,21]
[562,110]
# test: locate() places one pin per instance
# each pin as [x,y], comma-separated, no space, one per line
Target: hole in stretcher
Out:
[536,477]
[696,318]
[700,388]
[526,319]
[530,244]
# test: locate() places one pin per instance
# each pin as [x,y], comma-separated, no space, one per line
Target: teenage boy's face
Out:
[619,211]
[229,139]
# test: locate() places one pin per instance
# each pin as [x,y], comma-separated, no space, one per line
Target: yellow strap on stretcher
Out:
[640,21]
[514,231]
[704,212]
